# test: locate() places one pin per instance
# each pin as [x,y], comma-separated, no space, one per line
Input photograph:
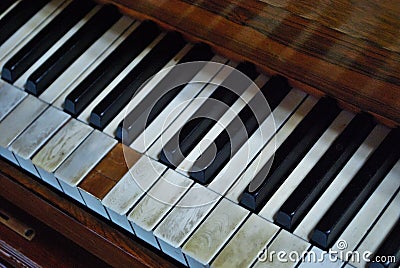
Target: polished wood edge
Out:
[13,257]
[354,71]
[74,222]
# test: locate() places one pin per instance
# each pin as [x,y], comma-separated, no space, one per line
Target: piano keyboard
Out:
[325,179]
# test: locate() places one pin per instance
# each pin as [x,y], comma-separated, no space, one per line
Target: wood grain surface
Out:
[349,50]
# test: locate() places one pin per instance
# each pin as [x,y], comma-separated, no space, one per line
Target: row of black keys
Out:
[287,156]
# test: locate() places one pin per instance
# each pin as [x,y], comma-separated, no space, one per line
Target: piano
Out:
[150,133]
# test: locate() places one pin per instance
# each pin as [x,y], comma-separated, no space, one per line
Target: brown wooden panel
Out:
[109,171]
[70,220]
[346,49]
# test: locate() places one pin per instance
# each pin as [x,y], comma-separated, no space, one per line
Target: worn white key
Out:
[267,152]
[82,161]
[178,104]
[293,247]
[370,211]
[179,121]
[232,170]
[159,200]
[312,218]
[10,97]
[380,230]
[186,165]
[23,78]
[204,244]
[186,215]
[80,67]
[306,164]
[84,65]
[34,137]
[85,115]
[317,258]
[243,249]
[30,29]
[56,151]
[133,185]
[111,128]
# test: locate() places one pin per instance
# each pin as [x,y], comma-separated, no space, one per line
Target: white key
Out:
[293,247]
[79,68]
[56,151]
[316,258]
[111,128]
[245,246]
[179,121]
[121,220]
[378,233]
[159,200]
[82,161]
[186,165]
[267,152]
[23,78]
[232,170]
[9,9]
[95,54]
[10,97]
[30,29]
[370,211]
[204,244]
[85,115]
[186,215]
[312,218]
[181,100]
[134,184]
[306,164]
[34,137]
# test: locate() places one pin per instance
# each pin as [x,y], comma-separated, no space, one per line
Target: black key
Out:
[115,101]
[17,16]
[194,130]
[273,92]
[57,63]
[144,114]
[324,172]
[109,68]
[45,39]
[289,154]
[357,191]
[390,248]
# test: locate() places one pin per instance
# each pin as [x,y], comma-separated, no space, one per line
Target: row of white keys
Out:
[85,115]
[36,135]
[239,162]
[309,222]
[267,152]
[111,128]
[74,169]
[178,104]
[132,186]
[56,151]
[306,164]
[379,231]
[30,29]
[10,97]
[370,211]
[20,83]
[186,165]
[87,62]
[182,118]
[17,121]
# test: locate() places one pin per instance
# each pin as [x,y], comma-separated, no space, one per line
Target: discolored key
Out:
[289,154]
[357,191]
[114,102]
[50,70]
[323,173]
[41,42]
[97,80]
